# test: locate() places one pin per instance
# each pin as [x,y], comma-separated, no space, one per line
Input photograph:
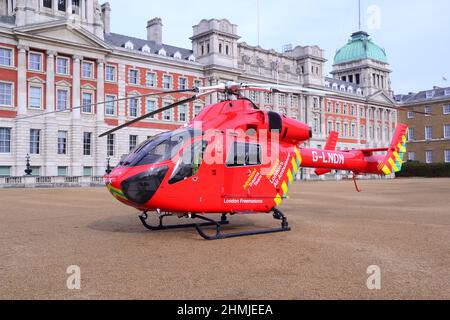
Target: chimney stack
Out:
[154,30]
[106,10]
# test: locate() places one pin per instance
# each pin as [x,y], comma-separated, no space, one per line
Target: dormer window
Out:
[447,92]
[129,45]
[177,55]
[342,88]
[191,58]
[335,86]
[146,49]
[62,5]
[359,91]
[162,52]
[430,94]
[47,4]
[350,89]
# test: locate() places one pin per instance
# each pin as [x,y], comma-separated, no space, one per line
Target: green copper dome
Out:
[360,47]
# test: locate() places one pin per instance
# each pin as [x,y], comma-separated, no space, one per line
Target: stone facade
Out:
[429,135]
[67,57]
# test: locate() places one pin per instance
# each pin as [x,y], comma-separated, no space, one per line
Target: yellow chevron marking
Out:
[285,188]
[290,176]
[299,156]
[394,166]
[386,170]
[404,139]
[278,200]
[401,148]
[397,156]
[294,165]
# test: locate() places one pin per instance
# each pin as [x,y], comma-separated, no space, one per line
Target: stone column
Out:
[99,144]
[323,129]
[100,89]
[22,80]
[51,127]
[76,87]
[275,102]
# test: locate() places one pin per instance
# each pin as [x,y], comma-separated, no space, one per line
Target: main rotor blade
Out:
[145,116]
[105,102]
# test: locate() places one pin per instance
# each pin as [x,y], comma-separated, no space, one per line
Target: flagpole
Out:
[258,21]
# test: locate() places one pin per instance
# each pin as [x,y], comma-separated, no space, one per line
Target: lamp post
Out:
[108,166]
[28,170]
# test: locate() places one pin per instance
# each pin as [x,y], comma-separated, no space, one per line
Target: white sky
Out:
[415,33]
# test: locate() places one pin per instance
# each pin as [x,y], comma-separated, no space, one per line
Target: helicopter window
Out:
[244,154]
[160,148]
[189,163]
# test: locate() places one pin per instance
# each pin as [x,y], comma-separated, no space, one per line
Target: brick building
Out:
[429,135]
[61,54]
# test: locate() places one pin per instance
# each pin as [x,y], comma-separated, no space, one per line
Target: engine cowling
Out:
[292,131]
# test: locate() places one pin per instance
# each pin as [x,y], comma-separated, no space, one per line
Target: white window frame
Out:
[91,92]
[115,105]
[41,103]
[186,85]
[195,107]
[57,67]
[137,76]
[170,83]
[186,115]
[428,114]
[138,107]
[39,142]
[155,101]
[10,140]
[41,61]
[66,137]
[446,109]
[166,103]
[155,79]
[428,135]
[12,94]
[411,134]
[91,144]
[446,136]
[427,153]
[411,156]
[113,153]
[136,143]
[410,115]
[12,64]
[114,73]
[92,76]
[58,88]
[447,156]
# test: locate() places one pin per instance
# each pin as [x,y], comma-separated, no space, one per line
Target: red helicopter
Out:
[233,159]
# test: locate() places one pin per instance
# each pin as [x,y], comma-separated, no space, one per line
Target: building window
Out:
[362,132]
[447,156]
[353,134]
[447,109]
[110,145]
[150,79]
[345,129]
[76,7]
[411,134]
[338,108]
[6,57]
[411,156]
[429,156]
[87,143]
[6,94]
[62,5]
[35,139]
[150,107]
[197,110]
[182,84]
[87,70]
[5,140]
[182,113]
[87,172]
[133,76]
[167,82]
[62,99]
[428,133]
[110,105]
[428,111]
[410,115]
[110,73]
[329,127]
[35,97]
[133,107]
[338,127]
[5,171]
[133,142]
[167,115]
[62,142]
[197,83]
[35,61]
[87,102]
[62,171]
[62,66]
[447,131]
[48,4]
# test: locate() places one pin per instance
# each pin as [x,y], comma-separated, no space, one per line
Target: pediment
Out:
[63,31]
[381,97]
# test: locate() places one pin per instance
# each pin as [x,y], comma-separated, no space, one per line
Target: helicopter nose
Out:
[116,191]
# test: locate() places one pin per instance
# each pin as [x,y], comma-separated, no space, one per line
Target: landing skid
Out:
[278,215]
[144,217]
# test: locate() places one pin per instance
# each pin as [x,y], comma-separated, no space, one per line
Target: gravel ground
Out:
[402,226]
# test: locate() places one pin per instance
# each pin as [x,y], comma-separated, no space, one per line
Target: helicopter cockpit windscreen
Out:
[160,148]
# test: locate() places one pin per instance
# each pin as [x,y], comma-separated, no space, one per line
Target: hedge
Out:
[416,169]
